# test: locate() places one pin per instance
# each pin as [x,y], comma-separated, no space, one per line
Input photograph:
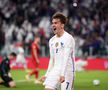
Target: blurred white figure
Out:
[80,64]
[20,59]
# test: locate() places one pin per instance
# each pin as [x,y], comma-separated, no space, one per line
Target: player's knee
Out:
[12,84]
[37,69]
[49,89]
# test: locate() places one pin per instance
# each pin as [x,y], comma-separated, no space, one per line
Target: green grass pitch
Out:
[83,81]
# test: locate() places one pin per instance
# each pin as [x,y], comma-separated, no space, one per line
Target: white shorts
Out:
[20,59]
[69,82]
[52,81]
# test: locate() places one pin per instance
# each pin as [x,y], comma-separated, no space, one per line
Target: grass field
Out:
[83,81]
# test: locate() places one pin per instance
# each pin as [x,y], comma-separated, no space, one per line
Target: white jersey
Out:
[20,57]
[20,50]
[61,54]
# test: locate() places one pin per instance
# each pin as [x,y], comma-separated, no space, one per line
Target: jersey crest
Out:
[56,45]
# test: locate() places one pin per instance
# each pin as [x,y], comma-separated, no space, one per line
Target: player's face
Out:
[12,57]
[57,26]
[37,40]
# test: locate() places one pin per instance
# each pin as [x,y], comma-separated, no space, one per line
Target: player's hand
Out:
[37,61]
[62,79]
[42,79]
[9,74]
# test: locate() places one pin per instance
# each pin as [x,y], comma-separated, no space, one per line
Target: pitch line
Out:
[24,80]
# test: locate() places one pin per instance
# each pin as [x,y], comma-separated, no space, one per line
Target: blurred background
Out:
[21,20]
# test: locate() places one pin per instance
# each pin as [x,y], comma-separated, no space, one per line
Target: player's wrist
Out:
[62,79]
[62,74]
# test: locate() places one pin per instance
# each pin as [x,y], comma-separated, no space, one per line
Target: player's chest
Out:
[57,46]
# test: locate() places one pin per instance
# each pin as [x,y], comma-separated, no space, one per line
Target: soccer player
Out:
[5,71]
[81,63]
[60,70]
[35,51]
[20,59]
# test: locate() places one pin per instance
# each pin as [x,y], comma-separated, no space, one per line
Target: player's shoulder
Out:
[68,36]
[20,50]
[33,44]
[52,39]
[5,60]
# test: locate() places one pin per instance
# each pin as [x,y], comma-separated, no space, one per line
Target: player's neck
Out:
[60,34]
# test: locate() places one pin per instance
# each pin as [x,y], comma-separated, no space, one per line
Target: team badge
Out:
[56,45]
[62,44]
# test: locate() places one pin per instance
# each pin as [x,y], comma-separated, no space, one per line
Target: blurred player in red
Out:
[35,50]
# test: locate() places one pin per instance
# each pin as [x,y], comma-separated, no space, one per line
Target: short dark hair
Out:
[13,54]
[37,35]
[58,15]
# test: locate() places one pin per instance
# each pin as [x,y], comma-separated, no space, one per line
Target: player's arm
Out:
[35,54]
[3,68]
[48,70]
[68,49]
[51,61]
[50,65]
[9,74]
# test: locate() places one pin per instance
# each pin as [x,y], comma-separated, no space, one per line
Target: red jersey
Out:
[34,46]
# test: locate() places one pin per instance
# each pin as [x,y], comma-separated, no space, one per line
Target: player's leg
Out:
[52,81]
[12,84]
[69,82]
[8,81]
[48,88]
[13,64]
[1,82]
[33,72]
[36,73]
[25,65]
[67,85]
[23,61]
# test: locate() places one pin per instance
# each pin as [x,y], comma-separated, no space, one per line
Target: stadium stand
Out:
[20,20]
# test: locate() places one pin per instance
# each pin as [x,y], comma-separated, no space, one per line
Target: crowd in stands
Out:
[21,20]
